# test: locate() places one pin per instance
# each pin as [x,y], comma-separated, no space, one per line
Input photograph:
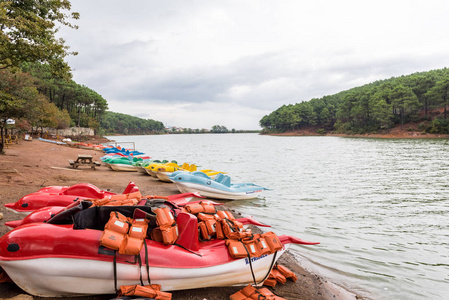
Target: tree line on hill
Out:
[117,123]
[379,106]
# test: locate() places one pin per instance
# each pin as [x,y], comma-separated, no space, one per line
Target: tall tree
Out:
[440,92]
[404,102]
[28,33]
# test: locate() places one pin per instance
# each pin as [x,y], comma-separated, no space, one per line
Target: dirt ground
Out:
[28,166]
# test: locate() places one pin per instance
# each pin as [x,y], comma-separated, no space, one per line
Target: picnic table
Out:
[84,159]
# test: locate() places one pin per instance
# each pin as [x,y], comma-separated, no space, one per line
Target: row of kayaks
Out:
[57,249]
[188,178]
[81,145]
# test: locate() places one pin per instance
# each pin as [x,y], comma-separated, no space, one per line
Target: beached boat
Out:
[219,188]
[211,173]
[125,163]
[51,141]
[112,155]
[126,152]
[122,167]
[151,168]
[146,166]
[46,213]
[64,259]
[140,166]
[38,200]
[61,196]
[164,171]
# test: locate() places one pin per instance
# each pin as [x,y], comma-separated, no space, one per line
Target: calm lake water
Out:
[379,207]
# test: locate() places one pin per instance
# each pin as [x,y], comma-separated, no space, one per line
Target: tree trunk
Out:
[2,140]
[445,102]
[426,106]
[402,118]
[79,115]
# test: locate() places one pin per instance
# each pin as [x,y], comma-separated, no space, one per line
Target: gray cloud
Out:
[192,55]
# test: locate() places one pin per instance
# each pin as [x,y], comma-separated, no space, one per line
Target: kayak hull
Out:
[62,277]
[60,196]
[209,192]
[123,167]
[50,260]
[164,176]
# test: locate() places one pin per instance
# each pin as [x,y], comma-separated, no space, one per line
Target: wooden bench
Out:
[84,160]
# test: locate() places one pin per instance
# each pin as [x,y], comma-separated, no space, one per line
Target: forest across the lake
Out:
[412,103]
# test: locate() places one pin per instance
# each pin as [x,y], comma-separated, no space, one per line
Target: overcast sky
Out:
[196,64]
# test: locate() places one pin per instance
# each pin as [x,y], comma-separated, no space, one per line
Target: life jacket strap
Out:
[250,264]
[146,262]
[115,270]
[139,259]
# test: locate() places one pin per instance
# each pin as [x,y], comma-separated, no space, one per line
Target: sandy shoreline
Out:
[29,166]
[395,133]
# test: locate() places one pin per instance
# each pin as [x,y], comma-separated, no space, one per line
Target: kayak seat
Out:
[200,174]
[130,188]
[223,179]
[188,231]
[219,177]
[96,217]
[226,181]
[85,190]
[66,215]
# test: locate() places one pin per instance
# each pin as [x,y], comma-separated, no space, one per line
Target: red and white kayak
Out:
[50,260]
[46,213]
[61,196]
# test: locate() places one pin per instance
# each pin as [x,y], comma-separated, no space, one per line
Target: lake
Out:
[379,207]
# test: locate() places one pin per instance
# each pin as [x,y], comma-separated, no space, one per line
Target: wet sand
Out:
[28,166]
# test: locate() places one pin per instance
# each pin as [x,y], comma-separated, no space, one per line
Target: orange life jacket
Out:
[148,291]
[164,217]
[167,232]
[114,231]
[279,274]
[236,249]
[273,241]
[202,207]
[222,214]
[118,200]
[249,292]
[270,281]
[234,229]
[219,231]
[286,272]
[207,226]
[123,234]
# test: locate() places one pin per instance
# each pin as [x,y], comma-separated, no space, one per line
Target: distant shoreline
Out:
[393,135]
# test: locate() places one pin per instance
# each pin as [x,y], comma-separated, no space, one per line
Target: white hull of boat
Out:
[21,214]
[59,277]
[188,187]
[141,170]
[123,167]
[164,176]
[151,173]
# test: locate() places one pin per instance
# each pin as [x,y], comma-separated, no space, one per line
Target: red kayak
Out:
[63,257]
[61,196]
[46,213]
